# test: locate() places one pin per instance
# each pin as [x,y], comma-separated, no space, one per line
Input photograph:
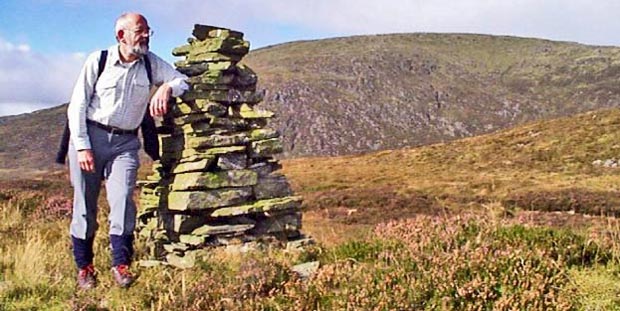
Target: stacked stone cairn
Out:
[217,182]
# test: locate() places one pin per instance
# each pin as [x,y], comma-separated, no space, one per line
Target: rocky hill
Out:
[355,94]
[358,94]
[30,141]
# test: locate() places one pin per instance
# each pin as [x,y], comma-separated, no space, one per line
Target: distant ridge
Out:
[357,94]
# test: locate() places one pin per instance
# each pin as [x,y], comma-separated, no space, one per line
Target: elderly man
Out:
[105,111]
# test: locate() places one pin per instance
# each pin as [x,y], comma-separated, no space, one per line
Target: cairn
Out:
[217,182]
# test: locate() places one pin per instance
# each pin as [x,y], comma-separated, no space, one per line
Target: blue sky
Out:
[43,43]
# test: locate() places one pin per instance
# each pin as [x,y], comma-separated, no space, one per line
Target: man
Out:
[104,114]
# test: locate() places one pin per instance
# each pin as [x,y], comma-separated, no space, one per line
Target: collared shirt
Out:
[119,97]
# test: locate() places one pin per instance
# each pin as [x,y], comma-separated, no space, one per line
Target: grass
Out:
[599,287]
[518,219]
[425,262]
[551,158]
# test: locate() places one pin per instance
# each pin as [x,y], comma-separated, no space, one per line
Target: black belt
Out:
[112,129]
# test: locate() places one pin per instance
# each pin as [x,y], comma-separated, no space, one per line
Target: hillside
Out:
[544,166]
[30,141]
[506,220]
[359,94]
[355,94]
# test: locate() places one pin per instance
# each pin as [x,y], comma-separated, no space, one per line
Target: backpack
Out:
[147,127]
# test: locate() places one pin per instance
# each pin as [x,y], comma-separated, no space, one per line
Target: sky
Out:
[43,43]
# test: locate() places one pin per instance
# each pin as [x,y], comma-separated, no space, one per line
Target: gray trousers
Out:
[116,161]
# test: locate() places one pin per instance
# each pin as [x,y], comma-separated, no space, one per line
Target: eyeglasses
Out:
[143,32]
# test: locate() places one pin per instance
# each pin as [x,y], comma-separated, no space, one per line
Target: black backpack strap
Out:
[64,145]
[103,57]
[149,130]
[149,72]
[63,149]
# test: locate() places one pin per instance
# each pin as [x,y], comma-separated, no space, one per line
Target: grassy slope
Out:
[345,197]
[30,141]
[545,165]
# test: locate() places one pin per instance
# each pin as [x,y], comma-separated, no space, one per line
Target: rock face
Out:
[217,182]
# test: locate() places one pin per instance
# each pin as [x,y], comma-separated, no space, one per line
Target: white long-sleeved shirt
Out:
[119,97]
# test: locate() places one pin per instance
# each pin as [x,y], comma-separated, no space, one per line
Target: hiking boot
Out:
[86,278]
[122,276]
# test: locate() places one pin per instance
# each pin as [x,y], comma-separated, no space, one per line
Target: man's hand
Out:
[159,101]
[86,160]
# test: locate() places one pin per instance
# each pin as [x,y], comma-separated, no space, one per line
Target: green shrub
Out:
[558,244]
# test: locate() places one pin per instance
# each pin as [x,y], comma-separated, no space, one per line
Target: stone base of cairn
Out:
[217,182]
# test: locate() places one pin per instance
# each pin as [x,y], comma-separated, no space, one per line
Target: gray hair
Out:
[121,22]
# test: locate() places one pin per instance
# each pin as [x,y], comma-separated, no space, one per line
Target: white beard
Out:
[139,49]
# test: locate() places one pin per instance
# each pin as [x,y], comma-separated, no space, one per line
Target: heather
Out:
[523,219]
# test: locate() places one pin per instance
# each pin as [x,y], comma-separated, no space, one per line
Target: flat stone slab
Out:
[199,106]
[267,147]
[201,200]
[299,244]
[223,229]
[177,143]
[191,239]
[186,224]
[172,247]
[262,134]
[232,161]
[208,55]
[191,118]
[208,180]
[199,165]
[194,69]
[230,46]
[250,97]
[181,262]
[306,270]
[202,32]
[287,222]
[235,124]
[248,112]
[192,155]
[216,140]
[272,186]
[292,203]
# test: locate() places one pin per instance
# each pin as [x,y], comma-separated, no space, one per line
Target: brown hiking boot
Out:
[122,276]
[86,277]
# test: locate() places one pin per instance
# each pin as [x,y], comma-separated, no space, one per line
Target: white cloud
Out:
[6,46]
[585,21]
[32,80]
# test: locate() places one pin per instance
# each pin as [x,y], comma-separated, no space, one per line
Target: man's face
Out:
[136,36]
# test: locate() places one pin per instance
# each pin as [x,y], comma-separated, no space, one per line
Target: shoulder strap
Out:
[102,59]
[148,127]
[147,65]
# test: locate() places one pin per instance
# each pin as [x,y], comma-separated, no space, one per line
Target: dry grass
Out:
[539,214]
[540,165]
